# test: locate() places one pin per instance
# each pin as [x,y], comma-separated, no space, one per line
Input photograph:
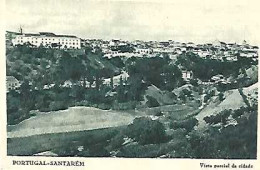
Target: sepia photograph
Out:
[131,79]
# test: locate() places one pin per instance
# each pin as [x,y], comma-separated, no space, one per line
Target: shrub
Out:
[146,131]
[244,97]
[219,118]
[116,142]
[159,113]
[209,95]
[194,82]
[186,92]
[182,97]
[104,106]
[232,142]
[139,151]
[152,102]
[186,124]
[239,112]
[221,96]
[58,105]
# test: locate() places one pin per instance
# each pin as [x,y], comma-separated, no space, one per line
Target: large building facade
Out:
[47,39]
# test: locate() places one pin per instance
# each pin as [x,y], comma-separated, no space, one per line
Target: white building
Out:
[143,51]
[116,79]
[12,83]
[48,39]
[187,75]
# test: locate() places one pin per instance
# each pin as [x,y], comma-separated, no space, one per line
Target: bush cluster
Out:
[147,131]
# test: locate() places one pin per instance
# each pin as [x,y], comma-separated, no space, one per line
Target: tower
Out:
[21,30]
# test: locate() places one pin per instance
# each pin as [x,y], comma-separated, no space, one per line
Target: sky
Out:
[199,21]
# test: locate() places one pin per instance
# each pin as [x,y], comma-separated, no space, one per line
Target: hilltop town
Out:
[148,98]
[216,50]
[116,47]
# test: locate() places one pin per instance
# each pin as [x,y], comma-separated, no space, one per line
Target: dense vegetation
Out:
[204,69]
[44,74]
[235,141]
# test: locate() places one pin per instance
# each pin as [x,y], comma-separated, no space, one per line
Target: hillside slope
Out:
[233,100]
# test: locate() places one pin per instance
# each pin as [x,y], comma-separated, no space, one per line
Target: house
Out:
[114,43]
[116,79]
[12,83]
[217,78]
[187,75]
[191,44]
[48,39]
[143,51]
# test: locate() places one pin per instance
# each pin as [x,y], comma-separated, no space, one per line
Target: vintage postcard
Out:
[129,84]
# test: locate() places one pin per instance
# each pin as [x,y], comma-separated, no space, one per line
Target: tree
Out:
[88,50]
[111,83]
[136,87]
[70,68]
[121,91]
[221,96]
[147,131]
[152,102]
[172,77]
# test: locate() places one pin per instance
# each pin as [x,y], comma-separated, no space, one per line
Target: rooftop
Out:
[48,34]
[11,79]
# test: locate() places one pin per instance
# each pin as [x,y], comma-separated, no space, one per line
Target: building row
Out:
[47,39]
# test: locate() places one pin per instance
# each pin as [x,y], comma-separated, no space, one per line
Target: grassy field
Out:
[62,132]
[72,119]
